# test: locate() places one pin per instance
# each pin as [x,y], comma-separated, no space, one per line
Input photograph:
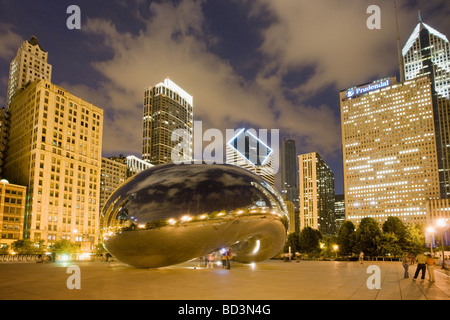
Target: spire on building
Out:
[401,64]
[33,41]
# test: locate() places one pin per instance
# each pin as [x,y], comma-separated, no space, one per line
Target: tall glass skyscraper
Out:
[427,53]
[167,108]
[289,175]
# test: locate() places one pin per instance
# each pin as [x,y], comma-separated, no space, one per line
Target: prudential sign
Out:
[354,92]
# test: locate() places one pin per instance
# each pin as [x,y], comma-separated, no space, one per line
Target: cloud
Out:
[318,45]
[332,36]
[174,43]
[9,42]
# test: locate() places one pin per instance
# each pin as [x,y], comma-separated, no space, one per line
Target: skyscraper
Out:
[29,64]
[168,109]
[427,52]
[55,150]
[246,150]
[389,150]
[316,193]
[289,175]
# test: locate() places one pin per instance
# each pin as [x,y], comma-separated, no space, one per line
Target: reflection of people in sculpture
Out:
[224,260]
[210,261]
[228,257]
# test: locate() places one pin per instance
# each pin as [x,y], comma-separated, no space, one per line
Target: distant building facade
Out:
[167,108]
[389,150]
[316,193]
[289,177]
[113,174]
[12,212]
[427,52]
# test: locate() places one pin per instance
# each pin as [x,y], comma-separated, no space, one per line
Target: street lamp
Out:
[441,224]
[336,247]
[430,230]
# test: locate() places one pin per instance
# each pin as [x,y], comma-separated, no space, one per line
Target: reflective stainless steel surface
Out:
[171,213]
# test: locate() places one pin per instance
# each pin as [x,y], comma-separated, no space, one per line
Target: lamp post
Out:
[441,224]
[336,247]
[430,230]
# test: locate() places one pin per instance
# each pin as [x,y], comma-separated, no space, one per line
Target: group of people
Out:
[424,263]
[226,257]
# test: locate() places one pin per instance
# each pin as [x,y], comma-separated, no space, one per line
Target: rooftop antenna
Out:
[401,65]
[420,17]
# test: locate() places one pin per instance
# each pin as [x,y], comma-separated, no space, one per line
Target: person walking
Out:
[405,263]
[421,265]
[430,268]
[361,257]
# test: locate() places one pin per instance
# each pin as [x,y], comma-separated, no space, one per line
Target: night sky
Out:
[261,64]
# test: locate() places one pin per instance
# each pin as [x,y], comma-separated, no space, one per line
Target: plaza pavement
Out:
[269,280]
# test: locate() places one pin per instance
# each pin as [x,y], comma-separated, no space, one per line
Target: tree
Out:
[64,246]
[309,240]
[414,239]
[368,234]
[4,249]
[100,249]
[346,238]
[395,225]
[293,242]
[388,245]
[26,246]
[328,248]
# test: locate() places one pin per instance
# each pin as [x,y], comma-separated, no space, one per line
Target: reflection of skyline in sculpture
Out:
[181,212]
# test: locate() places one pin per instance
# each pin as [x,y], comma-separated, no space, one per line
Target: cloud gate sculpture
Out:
[170,214]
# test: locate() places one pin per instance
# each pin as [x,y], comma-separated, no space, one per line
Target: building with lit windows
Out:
[55,146]
[113,174]
[339,210]
[316,193]
[136,165]
[116,170]
[438,209]
[29,64]
[168,121]
[246,150]
[427,52]
[12,212]
[389,150]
